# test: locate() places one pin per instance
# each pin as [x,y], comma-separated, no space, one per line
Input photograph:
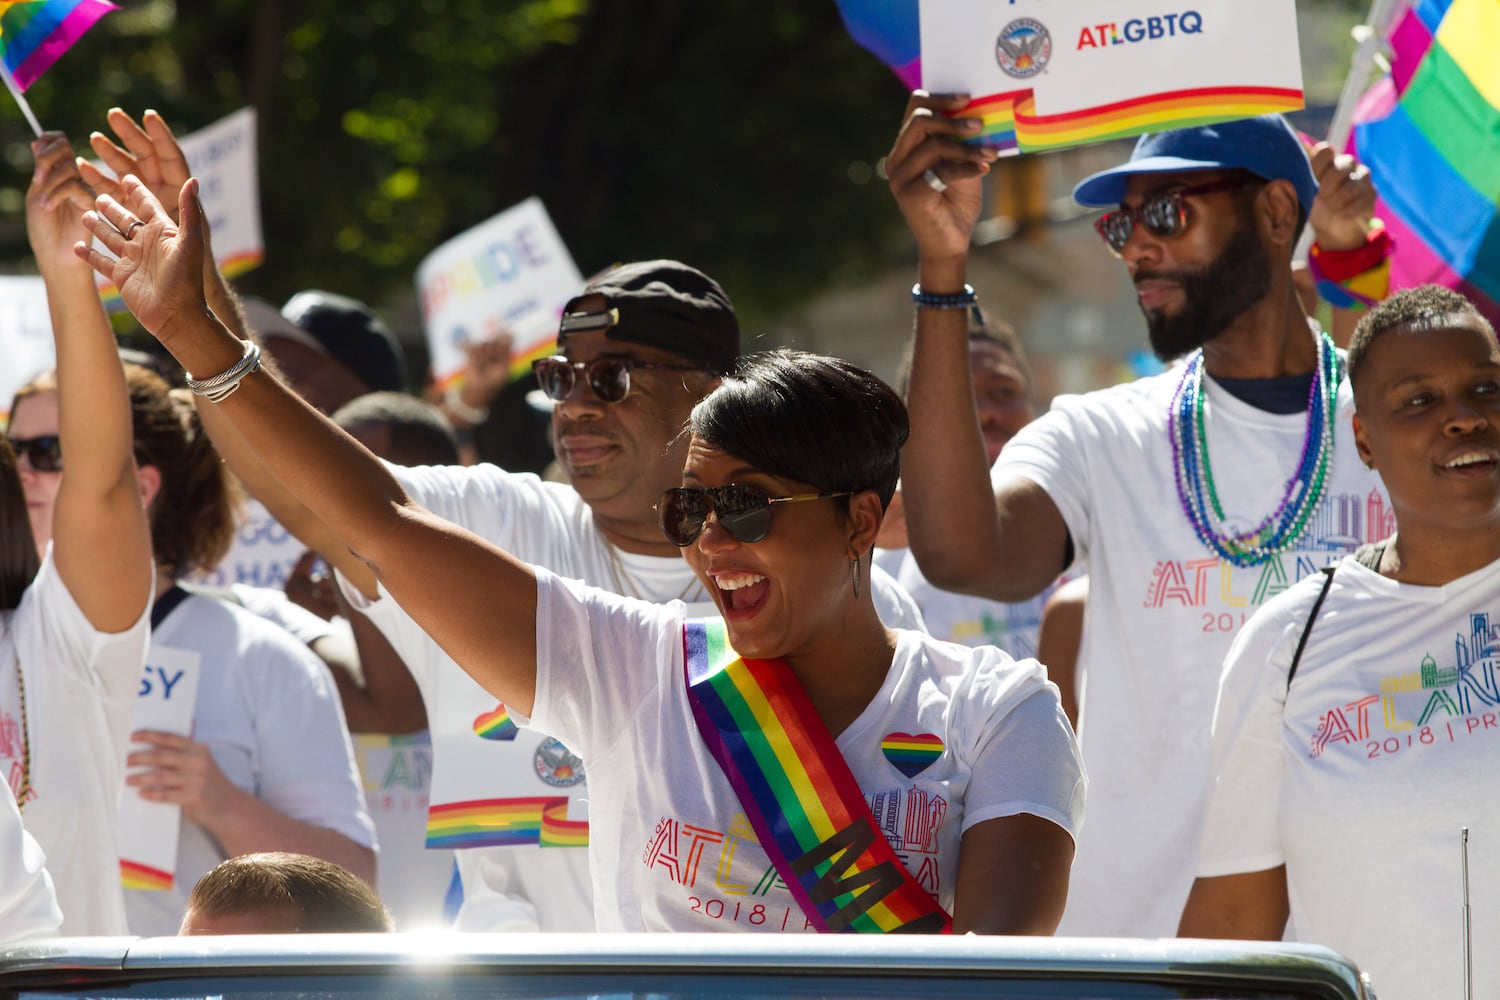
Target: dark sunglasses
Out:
[608,377]
[743,511]
[1163,214]
[44,453]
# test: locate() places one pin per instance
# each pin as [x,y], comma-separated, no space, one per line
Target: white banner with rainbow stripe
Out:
[148,831]
[1045,75]
[511,274]
[495,784]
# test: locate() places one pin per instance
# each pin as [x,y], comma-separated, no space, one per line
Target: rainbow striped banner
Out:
[806,808]
[536,821]
[33,33]
[1430,133]
[134,875]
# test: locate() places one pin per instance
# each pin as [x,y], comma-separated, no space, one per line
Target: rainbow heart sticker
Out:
[911,755]
[495,725]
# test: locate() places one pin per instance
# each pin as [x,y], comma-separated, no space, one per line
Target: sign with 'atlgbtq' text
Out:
[1046,74]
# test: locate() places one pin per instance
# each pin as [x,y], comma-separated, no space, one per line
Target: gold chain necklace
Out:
[626,585]
[24,793]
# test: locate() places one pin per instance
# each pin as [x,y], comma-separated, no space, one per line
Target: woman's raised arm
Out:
[101,540]
[476,601]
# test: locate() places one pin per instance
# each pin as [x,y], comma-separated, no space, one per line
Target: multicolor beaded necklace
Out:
[1195,478]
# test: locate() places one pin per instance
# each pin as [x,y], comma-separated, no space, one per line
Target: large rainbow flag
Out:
[33,33]
[1430,133]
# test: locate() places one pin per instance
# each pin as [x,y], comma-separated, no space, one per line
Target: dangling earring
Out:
[855,564]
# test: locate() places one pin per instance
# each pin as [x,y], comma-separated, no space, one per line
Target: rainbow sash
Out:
[798,792]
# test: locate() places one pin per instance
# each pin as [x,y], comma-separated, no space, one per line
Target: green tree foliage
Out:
[739,136]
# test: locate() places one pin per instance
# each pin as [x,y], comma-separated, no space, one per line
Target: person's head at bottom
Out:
[280,893]
[783,428]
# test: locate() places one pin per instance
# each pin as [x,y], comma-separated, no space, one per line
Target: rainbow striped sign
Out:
[1430,133]
[33,33]
[1046,76]
[138,876]
[805,806]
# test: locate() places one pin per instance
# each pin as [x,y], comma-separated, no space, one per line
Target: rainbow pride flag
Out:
[1430,134]
[33,33]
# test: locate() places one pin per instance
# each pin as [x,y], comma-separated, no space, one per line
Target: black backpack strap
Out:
[166,604]
[1312,617]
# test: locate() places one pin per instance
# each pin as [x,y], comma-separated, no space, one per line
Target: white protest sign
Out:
[262,554]
[26,347]
[223,158]
[1097,69]
[510,273]
[148,830]
[496,785]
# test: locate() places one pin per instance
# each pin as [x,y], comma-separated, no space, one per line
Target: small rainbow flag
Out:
[505,823]
[1430,134]
[808,811]
[33,33]
[134,875]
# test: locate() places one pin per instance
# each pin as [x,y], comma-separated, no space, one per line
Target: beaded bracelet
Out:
[220,387]
[952,300]
[1358,278]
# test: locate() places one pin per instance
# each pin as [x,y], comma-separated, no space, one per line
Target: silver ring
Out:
[933,181]
[130,229]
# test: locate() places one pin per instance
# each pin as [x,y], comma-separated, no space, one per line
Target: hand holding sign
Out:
[932,143]
[180,771]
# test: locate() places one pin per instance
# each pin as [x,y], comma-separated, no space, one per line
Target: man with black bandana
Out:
[1191,497]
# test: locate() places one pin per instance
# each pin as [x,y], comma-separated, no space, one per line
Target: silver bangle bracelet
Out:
[220,387]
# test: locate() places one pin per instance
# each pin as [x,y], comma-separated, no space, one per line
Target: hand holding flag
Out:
[33,33]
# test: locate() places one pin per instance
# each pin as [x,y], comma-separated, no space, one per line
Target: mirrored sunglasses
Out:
[1163,214]
[743,511]
[44,453]
[609,378]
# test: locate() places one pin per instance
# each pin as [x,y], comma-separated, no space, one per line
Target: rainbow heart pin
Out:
[911,755]
[495,725]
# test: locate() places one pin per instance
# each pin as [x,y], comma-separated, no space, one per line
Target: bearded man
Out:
[1190,497]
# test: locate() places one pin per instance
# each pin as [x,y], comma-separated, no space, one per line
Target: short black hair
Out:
[420,434]
[1426,307]
[810,418]
[983,329]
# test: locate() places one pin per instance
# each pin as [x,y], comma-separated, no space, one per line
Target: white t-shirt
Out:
[680,855]
[1162,611]
[80,692]
[28,904]
[270,715]
[546,524]
[964,618]
[1360,776]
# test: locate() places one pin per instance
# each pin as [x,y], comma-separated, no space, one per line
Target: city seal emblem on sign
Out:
[1024,48]
[557,765]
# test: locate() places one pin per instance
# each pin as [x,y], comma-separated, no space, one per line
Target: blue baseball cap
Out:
[1267,147]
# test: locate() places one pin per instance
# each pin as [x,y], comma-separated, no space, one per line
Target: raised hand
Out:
[941,215]
[147,149]
[157,264]
[55,203]
[1341,213]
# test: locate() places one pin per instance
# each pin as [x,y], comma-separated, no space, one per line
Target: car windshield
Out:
[645,985]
